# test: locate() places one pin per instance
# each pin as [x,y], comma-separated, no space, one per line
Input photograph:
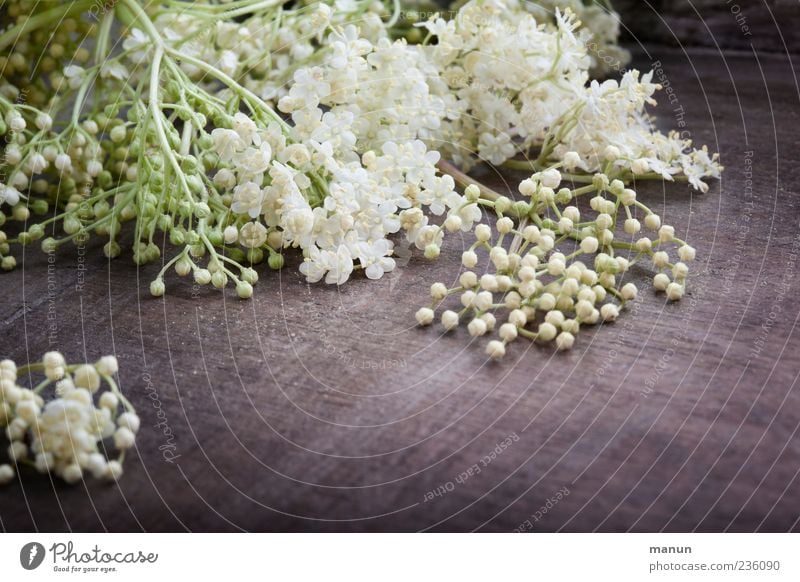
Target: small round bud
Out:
[572,212]
[219,279]
[589,244]
[686,253]
[652,221]
[472,193]
[183,267]
[202,276]
[660,259]
[555,265]
[8,263]
[244,290]
[531,233]
[666,233]
[72,473]
[118,134]
[438,291]
[627,197]
[680,270]
[502,204]
[629,291]
[469,259]
[604,221]
[609,312]
[632,226]
[250,275]
[86,376]
[109,400]
[275,261]
[113,470]
[583,309]
[483,233]
[202,210]
[527,187]
[124,438]
[425,316]
[468,280]
[495,350]
[453,223]
[551,178]
[483,301]
[157,288]
[449,320]
[565,340]
[517,317]
[477,327]
[112,249]
[547,332]
[508,332]
[107,365]
[468,298]
[660,281]
[230,234]
[432,251]
[49,245]
[644,244]
[505,225]
[7,474]
[490,320]
[547,301]
[674,291]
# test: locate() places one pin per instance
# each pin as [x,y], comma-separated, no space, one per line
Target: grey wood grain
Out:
[320,409]
[766,25]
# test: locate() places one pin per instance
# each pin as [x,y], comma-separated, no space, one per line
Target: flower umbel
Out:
[69,432]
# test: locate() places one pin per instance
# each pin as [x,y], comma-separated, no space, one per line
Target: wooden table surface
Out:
[312,408]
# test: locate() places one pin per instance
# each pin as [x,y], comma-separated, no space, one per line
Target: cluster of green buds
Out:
[553,268]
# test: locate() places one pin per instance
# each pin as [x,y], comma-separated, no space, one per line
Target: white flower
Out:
[438,194]
[374,258]
[252,235]
[335,266]
[139,44]
[9,195]
[246,128]
[74,75]
[114,70]
[297,222]
[248,198]
[253,161]
[496,149]
[226,143]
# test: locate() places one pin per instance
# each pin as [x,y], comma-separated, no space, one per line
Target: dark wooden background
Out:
[767,25]
[321,409]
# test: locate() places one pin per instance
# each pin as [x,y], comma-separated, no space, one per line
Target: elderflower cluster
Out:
[237,131]
[264,48]
[553,268]
[516,86]
[380,192]
[603,24]
[65,434]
